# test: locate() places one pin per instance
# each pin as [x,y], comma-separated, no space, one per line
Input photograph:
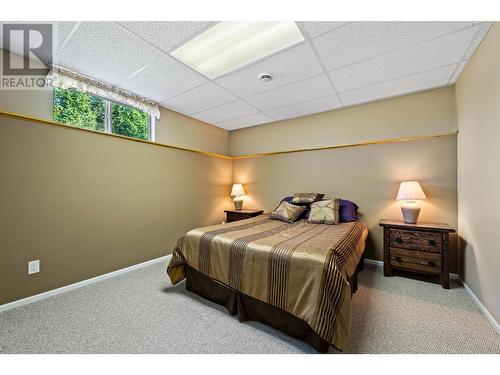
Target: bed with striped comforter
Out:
[299,267]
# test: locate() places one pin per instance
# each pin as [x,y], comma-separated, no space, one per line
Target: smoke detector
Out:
[264,77]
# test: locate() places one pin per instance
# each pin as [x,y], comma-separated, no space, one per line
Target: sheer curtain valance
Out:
[67,79]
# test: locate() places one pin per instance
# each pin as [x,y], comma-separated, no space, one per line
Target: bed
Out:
[297,277]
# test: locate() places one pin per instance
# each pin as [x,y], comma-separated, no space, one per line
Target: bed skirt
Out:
[249,308]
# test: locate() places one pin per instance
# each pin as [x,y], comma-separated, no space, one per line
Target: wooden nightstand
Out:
[233,215]
[421,247]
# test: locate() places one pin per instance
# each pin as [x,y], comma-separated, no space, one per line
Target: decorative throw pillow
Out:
[325,212]
[304,214]
[306,198]
[287,212]
[348,211]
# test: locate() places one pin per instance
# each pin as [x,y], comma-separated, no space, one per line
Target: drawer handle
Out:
[432,242]
[398,259]
[432,264]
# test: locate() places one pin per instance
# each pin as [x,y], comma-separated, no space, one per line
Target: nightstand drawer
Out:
[235,217]
[416,261]
[416,240]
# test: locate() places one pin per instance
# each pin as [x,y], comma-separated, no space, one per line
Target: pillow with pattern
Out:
[287,212]
[325,212]
[306,198]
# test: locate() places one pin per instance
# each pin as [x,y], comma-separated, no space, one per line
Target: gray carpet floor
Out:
[141,312]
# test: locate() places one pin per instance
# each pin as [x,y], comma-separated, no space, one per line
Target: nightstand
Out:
[421,248]
[233,215]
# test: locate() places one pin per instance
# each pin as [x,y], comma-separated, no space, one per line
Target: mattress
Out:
[300,268]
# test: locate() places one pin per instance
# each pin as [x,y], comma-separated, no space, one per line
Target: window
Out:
[91,112]
[79,109]
[129,121]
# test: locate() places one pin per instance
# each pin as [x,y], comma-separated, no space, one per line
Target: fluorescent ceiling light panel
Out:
[227,46]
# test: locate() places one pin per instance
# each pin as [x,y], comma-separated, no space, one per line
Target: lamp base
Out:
[238,204]
[410,212]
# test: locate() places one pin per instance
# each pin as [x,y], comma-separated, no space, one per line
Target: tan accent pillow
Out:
[287,212]
[325,212]
[306,198]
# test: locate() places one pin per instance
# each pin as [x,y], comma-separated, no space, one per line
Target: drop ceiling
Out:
[339,64]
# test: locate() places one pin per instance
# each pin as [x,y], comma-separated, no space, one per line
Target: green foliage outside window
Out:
[87,111]
[129,121]
[78,109]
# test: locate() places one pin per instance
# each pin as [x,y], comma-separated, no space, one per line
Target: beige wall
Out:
[478,104]
[429,112]
[86,204]
[35,103]
[367,175]
[179,130]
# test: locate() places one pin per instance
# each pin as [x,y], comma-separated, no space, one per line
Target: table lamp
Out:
[410,191]
[236,192]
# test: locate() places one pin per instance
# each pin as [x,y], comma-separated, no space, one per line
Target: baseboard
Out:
[67,288]
[377,263]
[79,284]
[483,309]
[469,291]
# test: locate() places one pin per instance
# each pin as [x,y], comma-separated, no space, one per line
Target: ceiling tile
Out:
[166,35]
[199,99]
[63,29]
[288,66]
[326,103]
[418,82]
[315,28]
[163,79]
[245,121]
[294,93]
[106,51]
[366,61]
[359,41]
[225,112]
[482,30]
[438,52]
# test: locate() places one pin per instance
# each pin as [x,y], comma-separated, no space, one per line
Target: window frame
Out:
[108,126]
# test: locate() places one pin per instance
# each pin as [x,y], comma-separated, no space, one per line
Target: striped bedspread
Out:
[298,267]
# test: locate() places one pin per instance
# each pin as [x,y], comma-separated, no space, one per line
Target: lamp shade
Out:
[410,191]
[237,190]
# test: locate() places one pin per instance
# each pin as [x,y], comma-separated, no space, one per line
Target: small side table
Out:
[420,248]
[234,215]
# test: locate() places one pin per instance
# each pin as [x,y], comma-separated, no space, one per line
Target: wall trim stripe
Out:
[468,290]
[79,284]
[357,144]
[65,126]
[248,156]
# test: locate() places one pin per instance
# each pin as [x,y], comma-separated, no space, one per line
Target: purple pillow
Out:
[348,211]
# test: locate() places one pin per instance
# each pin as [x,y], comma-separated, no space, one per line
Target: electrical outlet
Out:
[33,267]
